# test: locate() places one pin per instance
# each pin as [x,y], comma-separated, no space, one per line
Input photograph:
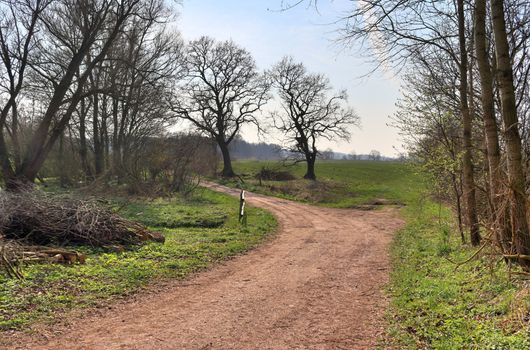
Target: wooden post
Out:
[241,205]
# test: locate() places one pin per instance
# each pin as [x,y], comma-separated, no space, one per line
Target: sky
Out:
[308,35]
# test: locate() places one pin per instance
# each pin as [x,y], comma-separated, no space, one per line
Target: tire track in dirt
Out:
[317,285]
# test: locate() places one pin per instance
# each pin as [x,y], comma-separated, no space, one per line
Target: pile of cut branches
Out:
[37,218]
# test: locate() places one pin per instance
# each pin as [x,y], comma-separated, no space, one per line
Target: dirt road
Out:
[317,285]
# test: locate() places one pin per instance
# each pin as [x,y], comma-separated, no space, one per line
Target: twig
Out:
[516,256]
[458,264]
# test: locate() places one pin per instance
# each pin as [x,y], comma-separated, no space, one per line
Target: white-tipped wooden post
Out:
[241,205]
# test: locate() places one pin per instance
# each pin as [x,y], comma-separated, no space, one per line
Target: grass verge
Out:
[198,231]
[436,306]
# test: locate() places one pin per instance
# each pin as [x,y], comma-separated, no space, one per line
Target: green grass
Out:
[174,214]
[433,306]
[341,184]
[198,231]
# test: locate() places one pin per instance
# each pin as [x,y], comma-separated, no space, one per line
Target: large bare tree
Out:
[141,70]
[19,25]
[309,111]
[223,92]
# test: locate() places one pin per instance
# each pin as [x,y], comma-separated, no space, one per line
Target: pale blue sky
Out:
[307,35]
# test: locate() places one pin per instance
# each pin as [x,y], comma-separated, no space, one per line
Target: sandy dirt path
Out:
[317,285]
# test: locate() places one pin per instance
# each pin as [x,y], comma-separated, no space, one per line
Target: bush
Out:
[266,173]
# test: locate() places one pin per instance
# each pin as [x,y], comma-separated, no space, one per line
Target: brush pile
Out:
[37,218]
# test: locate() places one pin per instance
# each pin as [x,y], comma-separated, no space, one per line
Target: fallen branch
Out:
[14,255]
[12,271]
[458,264]
[517,256]
[52,255]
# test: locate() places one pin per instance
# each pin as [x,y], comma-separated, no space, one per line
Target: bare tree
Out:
[467,124]
[309,111]
[223,91]
[374,155]
[70,30]
[19,24]
[140,72]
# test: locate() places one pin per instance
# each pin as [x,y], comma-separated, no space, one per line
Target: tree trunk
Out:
[227,162]
[63,177]
[105,143]
[467,160]
[458,207]
[310,172]
[500,216]
[116,147]
[8,173]
[15,133]
[83,148]
[516,178]
[98,144]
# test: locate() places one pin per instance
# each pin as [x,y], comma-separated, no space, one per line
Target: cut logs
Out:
[13,255]
[47,254]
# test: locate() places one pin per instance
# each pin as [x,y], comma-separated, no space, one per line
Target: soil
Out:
[316,285]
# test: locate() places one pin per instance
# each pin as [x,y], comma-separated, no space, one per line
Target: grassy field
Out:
[198,231]
[433,304]
[341,184]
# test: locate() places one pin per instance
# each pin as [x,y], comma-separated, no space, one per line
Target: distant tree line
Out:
[241,149]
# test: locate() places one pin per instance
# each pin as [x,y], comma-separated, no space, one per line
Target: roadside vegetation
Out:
[198,231]
[435,304]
